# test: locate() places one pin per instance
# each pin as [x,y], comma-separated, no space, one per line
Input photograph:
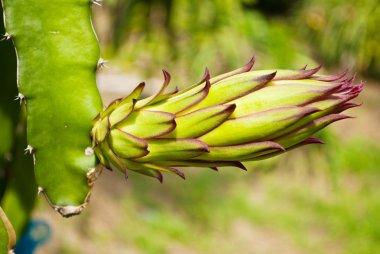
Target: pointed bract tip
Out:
[140,87]
[215,169]
[206,76]
[336,117]
[167,77]
[250,64]
[240,165]
[206,148]
[332,78]
[313,141]
[311,110]
[179,173]
[159,177]
[347,105]
[350,79]
[230,108]
[311,72]
[267,77]
[275,145]
[303,68]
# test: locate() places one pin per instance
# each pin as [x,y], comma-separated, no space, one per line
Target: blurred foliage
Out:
[272,7]
[318,200]
[186,35]
[343,32]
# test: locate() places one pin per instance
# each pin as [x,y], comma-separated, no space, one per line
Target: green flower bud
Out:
[239,116]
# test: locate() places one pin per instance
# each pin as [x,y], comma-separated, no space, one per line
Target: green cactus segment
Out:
[19,196]
[7,234]
[243,115]
[57,59]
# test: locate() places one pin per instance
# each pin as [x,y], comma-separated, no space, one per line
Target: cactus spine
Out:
[57,59]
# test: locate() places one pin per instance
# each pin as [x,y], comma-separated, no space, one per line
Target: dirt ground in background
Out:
[103,213]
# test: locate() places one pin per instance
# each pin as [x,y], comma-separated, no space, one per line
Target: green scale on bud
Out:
[239,116]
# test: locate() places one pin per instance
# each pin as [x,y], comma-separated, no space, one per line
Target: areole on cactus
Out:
[239,116]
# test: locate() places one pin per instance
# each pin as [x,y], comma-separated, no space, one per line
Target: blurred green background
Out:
[319,199]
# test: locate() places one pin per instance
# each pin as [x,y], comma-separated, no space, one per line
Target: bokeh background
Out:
[317,199]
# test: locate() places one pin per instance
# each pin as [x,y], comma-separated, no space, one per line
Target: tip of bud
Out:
[311,72]
[250,64]
[332,78]
[274,145]
[167,76]
[240,165]
[268,77]
[206,76]
[313,141]
[159,177]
